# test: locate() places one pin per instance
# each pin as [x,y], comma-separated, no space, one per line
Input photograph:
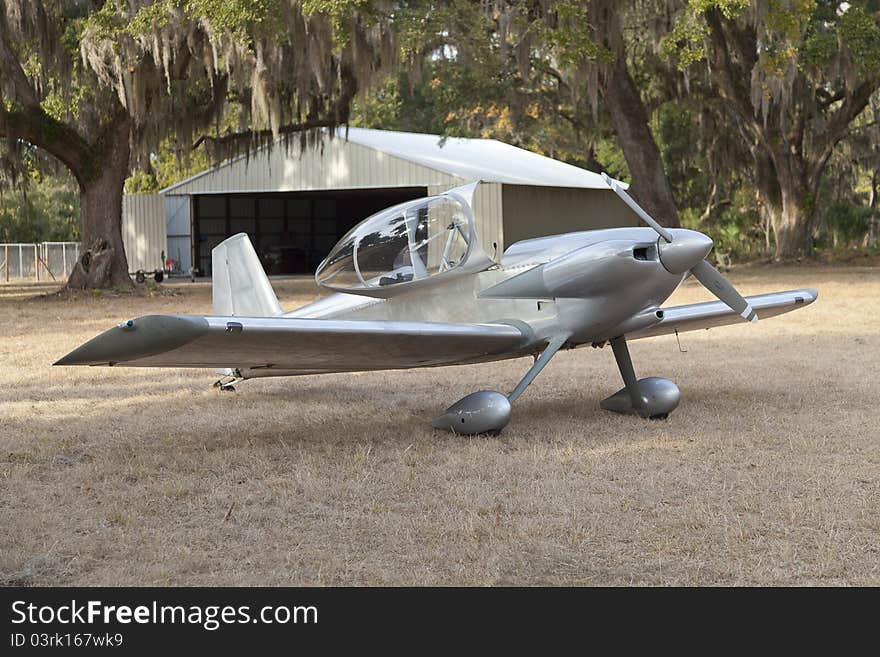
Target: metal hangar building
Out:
[296,202]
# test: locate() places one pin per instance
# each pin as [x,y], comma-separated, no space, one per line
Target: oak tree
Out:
[98,84]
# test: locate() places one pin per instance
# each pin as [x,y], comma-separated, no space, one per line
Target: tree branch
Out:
[743,40]
[838,127]
[27,120]
[262,135]
[53,136]
[824,100]
[723,67]
[337,114]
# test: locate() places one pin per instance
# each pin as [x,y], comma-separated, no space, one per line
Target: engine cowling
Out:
[589,271]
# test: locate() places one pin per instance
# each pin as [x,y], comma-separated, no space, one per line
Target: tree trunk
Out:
[650,186]
[629,119]
[769,194]
[873,219]
[793,235]
[793,227]
[103,263]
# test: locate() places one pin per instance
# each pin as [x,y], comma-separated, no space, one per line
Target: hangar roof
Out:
[488,160]
[359,157]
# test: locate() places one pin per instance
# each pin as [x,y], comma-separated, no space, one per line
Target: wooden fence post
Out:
[36,263]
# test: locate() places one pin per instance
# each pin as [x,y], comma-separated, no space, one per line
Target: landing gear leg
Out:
[651,397]
[488,411]
[227,383]
[548,353]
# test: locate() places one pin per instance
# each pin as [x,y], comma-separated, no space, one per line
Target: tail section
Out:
[240,286]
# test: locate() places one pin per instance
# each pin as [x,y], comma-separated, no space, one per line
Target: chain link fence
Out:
[46,261]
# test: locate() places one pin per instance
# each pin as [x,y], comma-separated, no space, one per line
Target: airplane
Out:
[412,287]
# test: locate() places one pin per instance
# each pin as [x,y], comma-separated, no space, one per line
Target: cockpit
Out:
[405,245]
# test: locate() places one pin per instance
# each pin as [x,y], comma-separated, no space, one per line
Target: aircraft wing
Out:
[716,313]
[294,344]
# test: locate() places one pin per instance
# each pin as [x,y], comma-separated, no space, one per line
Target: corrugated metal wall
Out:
[531,211]
[337,164]
[487,214]
[143,230]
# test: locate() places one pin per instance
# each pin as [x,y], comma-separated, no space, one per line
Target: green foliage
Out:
[809,32]
[166,167]
[686,42]
[861,34]
[233,15]
[491,74]
[383,107]
[46,210]
[735,229]
[610,155]
[151,17]
[569,39]
[846,223]
[141,182]
[672,128]
[174,68]
[237,16]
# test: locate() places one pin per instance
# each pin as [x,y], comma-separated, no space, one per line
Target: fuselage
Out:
[594,285]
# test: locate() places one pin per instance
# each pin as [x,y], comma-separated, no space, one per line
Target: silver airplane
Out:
[412,287]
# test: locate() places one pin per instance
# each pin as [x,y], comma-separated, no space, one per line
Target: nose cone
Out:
[688,247]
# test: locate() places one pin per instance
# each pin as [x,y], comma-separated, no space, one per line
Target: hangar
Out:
[296,202]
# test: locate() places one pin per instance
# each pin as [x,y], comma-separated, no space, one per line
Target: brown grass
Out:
[768,473]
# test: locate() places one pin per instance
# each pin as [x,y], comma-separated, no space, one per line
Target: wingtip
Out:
[73,358]
[67,359]
[140,338]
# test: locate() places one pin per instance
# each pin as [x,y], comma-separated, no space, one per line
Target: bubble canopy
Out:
[405,246]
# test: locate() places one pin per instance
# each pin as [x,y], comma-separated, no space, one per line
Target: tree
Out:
[529,73]
[794,76]
[847,215]
[99,85]
[628,114]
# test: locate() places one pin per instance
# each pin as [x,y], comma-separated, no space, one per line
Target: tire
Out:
[139,277]
[158,277]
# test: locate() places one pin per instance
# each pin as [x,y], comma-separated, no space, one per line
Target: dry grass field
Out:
[768,473]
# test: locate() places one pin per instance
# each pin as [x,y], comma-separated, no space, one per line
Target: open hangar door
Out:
[178,230]
[292,232]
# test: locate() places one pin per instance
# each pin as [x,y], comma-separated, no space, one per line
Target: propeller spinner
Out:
[682,250]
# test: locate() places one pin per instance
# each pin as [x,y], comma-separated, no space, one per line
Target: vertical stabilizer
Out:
[240,286]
